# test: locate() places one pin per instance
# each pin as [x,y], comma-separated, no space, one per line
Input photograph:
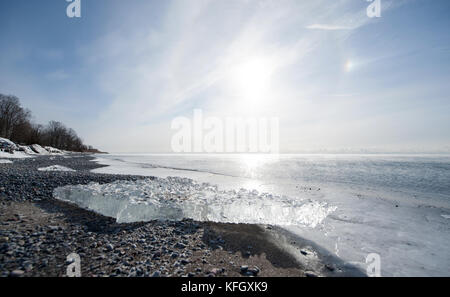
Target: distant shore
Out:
[37,233]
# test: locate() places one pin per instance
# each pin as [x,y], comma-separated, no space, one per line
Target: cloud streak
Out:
[194,56]
[327,27]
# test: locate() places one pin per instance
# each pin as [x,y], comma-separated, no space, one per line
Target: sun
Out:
[251,80]
[252,74]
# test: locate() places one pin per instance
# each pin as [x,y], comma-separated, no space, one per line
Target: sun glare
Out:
[251,80]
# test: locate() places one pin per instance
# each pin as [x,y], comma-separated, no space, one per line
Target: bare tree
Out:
[12,115]
[15,124]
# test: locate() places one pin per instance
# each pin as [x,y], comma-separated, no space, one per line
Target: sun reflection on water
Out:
[252,165]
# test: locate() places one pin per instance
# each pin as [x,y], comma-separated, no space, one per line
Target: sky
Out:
[337,80]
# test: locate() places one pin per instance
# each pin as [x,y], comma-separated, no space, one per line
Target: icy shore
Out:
[396,206]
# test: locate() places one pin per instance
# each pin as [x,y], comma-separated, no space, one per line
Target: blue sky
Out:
[336,79]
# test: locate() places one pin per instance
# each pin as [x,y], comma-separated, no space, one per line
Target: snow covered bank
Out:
[5,162]
[178,198]
[10,150]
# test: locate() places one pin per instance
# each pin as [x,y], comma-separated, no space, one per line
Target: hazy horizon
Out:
[337,80]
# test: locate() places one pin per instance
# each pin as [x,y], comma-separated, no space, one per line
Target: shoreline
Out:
[38,232]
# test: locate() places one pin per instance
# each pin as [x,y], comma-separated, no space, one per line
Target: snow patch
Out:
[56,168]
[5,162]
[15,155]
[175,198]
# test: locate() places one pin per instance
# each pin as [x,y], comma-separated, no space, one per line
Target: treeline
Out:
[16,125]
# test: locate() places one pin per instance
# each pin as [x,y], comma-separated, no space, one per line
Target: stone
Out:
[179,245]
[255,270]
[17,273]
[310,274]
[244,268]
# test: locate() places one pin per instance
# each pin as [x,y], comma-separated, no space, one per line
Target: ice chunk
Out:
[53,150]
[27,149]
[175,198]
[39,149]
[4,142]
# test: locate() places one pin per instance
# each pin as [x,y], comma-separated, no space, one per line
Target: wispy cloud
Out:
[327,27]
[194,56]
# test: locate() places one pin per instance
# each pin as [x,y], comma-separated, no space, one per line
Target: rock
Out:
[53,228]
[244,268]
[17,273]
[304,252]
[156,274]
[254,271]
[70,261]
[310,274]
[28,267]
[174,255]
[180,246]
[109,247]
